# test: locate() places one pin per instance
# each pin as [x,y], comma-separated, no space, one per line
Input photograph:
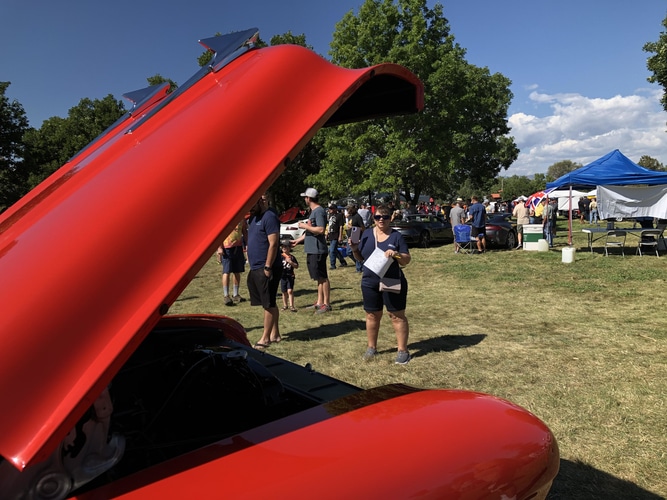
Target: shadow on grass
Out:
[446,343]
[191,297]
[345,304]
[580,481]
[327,331]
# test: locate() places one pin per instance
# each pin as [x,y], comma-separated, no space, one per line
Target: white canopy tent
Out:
[569,199]
[632,201]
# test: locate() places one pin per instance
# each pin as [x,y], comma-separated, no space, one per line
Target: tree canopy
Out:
[510,188]
[59,139]
[157,78]
[462,133]
[13,124]
[657,63]
[461,138]
[561,168]
[651,163]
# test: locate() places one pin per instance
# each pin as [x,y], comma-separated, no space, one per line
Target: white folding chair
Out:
[615,239]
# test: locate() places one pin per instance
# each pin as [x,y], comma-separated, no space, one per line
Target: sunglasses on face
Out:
[382,217]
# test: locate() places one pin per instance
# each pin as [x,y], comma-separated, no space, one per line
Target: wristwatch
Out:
[267,268]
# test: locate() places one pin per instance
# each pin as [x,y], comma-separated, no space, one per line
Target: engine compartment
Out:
[183,390]
[184,387]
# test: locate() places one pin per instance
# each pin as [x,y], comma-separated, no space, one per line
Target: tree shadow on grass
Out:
[445,343]
[327,331]
[580,481]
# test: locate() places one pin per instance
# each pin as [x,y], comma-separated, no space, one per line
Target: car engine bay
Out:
[185,387]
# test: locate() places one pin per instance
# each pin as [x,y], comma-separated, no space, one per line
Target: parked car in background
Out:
[105,394]
[422,230]
[291,214]
[290,230]
[501,230]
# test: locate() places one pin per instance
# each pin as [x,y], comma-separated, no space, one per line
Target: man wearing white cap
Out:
[457,216]
[315,247]
[522,216]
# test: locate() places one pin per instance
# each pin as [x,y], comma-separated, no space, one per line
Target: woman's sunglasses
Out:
[382,217]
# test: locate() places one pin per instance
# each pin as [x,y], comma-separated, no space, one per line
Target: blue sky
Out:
[577,67]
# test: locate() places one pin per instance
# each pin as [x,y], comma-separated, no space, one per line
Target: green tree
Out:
[462,133]
[290,39]
[561,168]
[59,139]
[13,171]
[539,183]
[291,183]
[157,78]
[651,163]
[514,186]
[284,192]
[657,63]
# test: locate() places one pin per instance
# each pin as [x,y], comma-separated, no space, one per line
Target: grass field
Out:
[582,345]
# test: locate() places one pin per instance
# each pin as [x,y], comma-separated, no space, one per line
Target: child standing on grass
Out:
[287,280]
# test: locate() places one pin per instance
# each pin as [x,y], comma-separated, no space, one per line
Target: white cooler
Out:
[532,233]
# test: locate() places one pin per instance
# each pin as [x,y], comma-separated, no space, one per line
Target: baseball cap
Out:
[459,199]
[333,206]
[310,193]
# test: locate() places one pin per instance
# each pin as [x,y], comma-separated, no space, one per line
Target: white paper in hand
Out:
[377,262]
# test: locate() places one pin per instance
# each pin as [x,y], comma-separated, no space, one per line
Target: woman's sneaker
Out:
[370,353]
[324,308]
[403,358]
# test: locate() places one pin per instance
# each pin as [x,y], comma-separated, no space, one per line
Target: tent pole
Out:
[569,222]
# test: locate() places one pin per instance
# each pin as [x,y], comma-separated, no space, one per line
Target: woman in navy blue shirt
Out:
[393,245]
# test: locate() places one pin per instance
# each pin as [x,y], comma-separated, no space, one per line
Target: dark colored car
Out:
[106,395]
[501,230]
[423,229]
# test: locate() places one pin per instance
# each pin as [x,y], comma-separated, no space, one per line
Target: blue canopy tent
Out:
[613,169]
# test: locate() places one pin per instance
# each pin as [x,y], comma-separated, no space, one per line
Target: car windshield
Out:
[499,218]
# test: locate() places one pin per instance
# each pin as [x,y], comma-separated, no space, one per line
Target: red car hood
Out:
[454,445]
[93,257]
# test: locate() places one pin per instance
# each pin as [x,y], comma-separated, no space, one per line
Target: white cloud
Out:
[582,129]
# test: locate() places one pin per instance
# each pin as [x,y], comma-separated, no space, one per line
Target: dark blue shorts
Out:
[477,231]
[317,265]
[263,290]
[286,283]
[375,300]
[233,260]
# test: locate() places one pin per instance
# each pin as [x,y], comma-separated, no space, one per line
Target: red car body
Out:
[92,259]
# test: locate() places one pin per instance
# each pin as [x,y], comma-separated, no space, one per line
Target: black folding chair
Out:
[648,239]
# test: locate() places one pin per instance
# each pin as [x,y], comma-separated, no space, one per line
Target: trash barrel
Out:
[568,255]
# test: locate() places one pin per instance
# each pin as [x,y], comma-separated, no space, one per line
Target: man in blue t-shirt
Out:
[266,267]
[477,213]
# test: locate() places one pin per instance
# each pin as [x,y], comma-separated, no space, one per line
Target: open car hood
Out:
[95,255]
